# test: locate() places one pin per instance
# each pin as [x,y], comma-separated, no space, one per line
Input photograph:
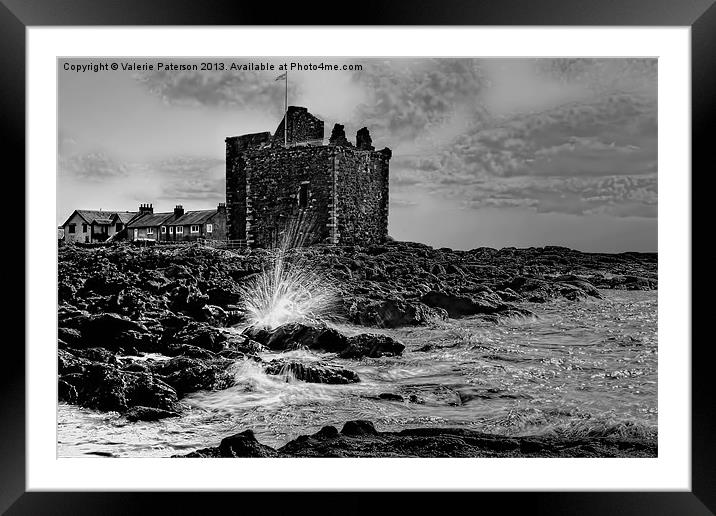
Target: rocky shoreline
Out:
[140,328]
[361,439]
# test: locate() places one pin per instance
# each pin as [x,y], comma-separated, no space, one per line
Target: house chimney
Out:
[145,208]
[221,208]
[178,211]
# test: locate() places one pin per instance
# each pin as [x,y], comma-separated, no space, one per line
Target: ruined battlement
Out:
[327,191]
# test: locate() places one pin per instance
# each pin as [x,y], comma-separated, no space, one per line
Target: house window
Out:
[150,231]
[72,228]
[84,228]
[303,196]
[180,229]
[209,228]
[164,229]
[171,230]
[194,229]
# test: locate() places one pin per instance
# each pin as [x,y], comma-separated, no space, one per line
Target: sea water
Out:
[577,368]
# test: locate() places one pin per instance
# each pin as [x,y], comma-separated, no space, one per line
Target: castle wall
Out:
[236,146]
[362,195]
[302,127]
[274,178]
[333,193]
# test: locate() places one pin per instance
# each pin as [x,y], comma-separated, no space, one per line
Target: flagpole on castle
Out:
[284,77]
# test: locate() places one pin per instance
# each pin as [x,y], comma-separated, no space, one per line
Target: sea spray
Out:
[290,288]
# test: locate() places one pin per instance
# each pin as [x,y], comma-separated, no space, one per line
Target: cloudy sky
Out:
[486,152]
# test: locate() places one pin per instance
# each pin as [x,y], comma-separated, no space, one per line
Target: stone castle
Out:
[333,192]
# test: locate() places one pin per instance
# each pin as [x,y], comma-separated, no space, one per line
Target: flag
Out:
[281,77]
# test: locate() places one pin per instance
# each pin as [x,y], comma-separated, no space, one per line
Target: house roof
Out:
[125,216]
[89,215]
[150,220]
[105,222]
[193,217]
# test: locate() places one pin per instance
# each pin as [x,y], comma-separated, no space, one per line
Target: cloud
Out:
[621,196]
[599,75]
[410,98]
[255,90]
[192,178]
[95,166]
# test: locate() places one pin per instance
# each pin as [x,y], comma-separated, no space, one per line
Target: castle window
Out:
[72,228]
[303,196]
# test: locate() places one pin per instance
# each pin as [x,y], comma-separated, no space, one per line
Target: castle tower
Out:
[331,192]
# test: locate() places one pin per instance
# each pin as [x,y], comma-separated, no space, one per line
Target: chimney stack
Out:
[178,211]
[146,208]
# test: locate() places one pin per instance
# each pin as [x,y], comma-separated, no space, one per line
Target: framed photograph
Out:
[445,249]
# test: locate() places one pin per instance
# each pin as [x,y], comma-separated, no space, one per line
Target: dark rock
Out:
[214,315]
[632,283]
[71,336]
[111,331]
[102,355]
[297,335]
[148,414]
[188,375]
[66,392]
[137,366]
[372,346]
[187,350]
[390,396]
[360,439]
[393,313]
[243,444]
[508,295]
[223,296]
[201,335]
[232,354]
[460,305]
[105,387]
[188,298]
[312,372]
[359,427]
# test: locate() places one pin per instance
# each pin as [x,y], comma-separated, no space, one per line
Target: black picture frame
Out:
[700,15]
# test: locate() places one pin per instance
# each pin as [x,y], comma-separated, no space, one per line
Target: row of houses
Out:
[89,226]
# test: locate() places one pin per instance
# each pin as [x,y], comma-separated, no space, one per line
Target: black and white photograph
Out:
[290,257]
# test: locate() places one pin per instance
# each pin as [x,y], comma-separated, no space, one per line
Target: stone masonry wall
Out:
[346,186]
[236,180]
[274,179]
[302,126]
[362,195]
